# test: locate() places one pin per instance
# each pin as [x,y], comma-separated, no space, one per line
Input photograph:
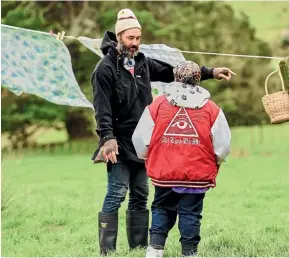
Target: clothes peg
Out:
[58,36]
[62,35]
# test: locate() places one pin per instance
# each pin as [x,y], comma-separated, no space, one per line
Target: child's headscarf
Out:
[188,72]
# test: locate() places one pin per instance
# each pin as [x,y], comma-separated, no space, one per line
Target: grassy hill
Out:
[269,18]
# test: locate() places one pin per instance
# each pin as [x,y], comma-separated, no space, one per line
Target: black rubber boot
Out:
[107,232]
[137,225]
[189,250]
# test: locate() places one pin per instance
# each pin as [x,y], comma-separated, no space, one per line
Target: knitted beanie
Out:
[126,19]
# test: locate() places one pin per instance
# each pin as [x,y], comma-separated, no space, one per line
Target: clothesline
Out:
[233,55]
[182,51]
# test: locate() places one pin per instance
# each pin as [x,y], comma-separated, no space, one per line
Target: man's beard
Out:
[127,51]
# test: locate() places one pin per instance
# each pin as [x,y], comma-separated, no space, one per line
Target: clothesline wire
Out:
[233,55]
[182,51]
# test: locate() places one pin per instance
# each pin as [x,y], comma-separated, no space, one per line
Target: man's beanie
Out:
[126,20]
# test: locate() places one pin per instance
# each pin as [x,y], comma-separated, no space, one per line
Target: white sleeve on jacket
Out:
[221,134]
[142,135]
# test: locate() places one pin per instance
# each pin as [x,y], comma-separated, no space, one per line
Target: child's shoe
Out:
[152,252]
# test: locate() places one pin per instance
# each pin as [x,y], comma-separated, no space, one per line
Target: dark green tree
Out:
[197,26]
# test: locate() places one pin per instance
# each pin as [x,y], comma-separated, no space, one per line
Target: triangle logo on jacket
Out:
[181,125]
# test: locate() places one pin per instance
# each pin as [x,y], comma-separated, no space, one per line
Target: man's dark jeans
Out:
[166,206]
[121,177]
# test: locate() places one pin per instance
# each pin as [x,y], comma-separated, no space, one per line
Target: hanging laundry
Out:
[36,63]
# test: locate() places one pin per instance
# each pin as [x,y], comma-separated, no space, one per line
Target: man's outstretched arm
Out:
[161,71]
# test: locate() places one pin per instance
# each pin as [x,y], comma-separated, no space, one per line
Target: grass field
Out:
[269,18]
[55,200]
[51,202]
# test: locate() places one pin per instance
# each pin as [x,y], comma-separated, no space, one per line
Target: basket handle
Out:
[281,78]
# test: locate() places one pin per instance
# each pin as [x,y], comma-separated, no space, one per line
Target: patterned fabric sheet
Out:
[39,64]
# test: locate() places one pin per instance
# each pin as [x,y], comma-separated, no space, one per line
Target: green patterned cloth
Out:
[38,64]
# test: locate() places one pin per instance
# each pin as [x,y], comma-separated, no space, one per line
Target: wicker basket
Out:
[276,104]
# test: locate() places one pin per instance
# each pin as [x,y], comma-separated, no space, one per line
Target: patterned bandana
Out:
[188,72]
[185,90]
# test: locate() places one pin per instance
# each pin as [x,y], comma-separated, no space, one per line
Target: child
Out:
[184,137]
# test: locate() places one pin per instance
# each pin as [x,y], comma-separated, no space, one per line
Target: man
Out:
[122,90]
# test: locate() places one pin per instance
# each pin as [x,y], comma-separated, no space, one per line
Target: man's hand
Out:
[109,151]
[99,157]
[222,73]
